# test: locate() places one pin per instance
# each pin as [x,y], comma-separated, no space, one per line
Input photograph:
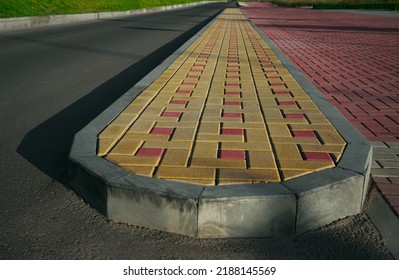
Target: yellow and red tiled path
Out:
[225,111]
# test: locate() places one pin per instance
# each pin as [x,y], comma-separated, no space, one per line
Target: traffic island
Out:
[226,138]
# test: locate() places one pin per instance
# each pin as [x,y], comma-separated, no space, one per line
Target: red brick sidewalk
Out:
[353,60]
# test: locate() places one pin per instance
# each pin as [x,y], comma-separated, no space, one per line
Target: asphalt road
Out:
[53,82]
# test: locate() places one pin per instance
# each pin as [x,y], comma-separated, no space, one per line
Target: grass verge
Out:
[21,8]
[340,4]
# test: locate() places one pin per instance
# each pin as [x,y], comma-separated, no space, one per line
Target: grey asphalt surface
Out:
[53,82]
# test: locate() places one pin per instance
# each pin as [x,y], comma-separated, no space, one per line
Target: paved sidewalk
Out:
[353,60]
[227,111]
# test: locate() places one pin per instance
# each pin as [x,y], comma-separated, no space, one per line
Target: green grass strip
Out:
[21,8]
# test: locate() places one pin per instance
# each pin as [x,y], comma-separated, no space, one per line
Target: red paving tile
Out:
[231,115]
[281,92]
[303,134]
[294,116]
[232,103]
[232,93]
[184,91]
[179,102]
[232,131]
[351,58]
[287,103]
[171,114]
[232,154]
[162,131]
[317,156]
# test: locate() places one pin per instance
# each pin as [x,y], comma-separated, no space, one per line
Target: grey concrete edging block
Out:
[246,210]
[156,204]
[37,21]
[326,196]
[259,210]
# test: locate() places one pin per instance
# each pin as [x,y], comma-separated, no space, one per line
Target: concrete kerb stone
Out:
[326,196]
[246,210]
[259,210]
[36,21]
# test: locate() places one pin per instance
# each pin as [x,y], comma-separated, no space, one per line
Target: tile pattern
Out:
[225,111]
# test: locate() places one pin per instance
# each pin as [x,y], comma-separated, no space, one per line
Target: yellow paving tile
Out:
[146,136]
[279,130]
[141,170]
[209,128]
[166,172]
[331,137]
[142,126]
[184,134]
[103,145]
[253,117]
[175,157]
[291,174]
[337,149]
[217,163]
[219,138]
[264,175]
[253,135]
[261,160]
[304,165]
[287,151]
[168,144]
[190,117]
[210,182]
[243,125]
[128,160]
[174,124]
[126,147]
[205,150]
[247,146]
[123,119]
[295,140]
[113,130]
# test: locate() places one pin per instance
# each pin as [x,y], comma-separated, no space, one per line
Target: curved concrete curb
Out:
[29,22]
[257,210]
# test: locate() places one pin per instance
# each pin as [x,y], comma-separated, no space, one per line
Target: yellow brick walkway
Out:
[226,111]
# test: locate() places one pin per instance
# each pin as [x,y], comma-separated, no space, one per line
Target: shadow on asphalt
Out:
[47,146]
